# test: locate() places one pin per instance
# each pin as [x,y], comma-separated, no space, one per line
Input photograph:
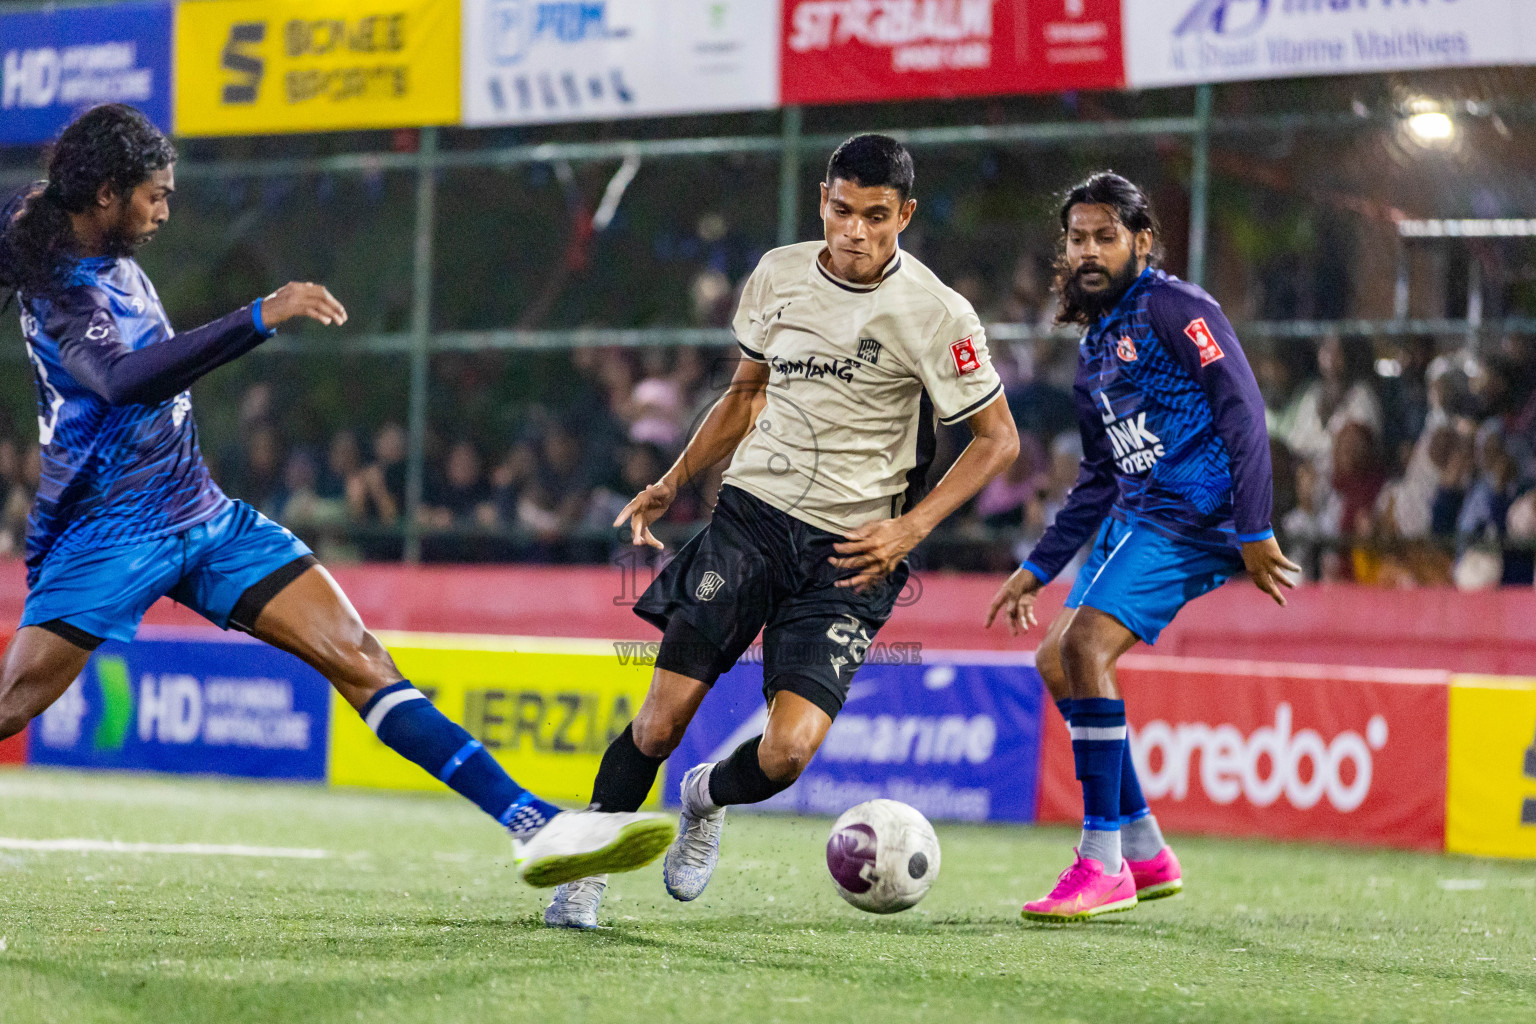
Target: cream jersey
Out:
[856,374]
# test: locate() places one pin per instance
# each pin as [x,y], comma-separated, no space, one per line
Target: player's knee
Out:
[657,735]
[1048,664]
[1083,661]
[784,761]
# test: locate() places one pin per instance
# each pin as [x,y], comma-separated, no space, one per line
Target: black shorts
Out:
[757,568]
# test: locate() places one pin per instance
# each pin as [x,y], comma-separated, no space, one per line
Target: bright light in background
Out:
[1431,128]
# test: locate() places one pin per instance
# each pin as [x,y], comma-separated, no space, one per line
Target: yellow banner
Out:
[252,67]
[546,709]
[1491,785]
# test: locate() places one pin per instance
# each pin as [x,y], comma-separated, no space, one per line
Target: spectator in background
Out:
[18,503]
[10,484]
[656,406]
[1496,484]
[343,462]
[1314,522]
[1013,499]
[639,466]
[1357,477]
[1284,374]
[1343,394]
[511,478]
[256,475]
[377,493]
[460,497]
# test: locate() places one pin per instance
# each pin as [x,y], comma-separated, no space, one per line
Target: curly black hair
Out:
[1131,208]
[111,145]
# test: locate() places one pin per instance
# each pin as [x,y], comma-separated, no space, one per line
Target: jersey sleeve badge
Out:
[1126,349]
[1200,333]
[964,353]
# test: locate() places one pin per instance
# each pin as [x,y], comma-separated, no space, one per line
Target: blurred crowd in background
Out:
[1398,462]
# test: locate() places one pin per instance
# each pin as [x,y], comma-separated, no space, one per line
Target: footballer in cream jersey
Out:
[848,366]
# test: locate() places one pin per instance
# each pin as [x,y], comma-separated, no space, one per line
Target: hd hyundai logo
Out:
[709,586]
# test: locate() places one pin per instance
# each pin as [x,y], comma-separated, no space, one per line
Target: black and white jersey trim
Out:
[755,356]
[974,407]
[846,286]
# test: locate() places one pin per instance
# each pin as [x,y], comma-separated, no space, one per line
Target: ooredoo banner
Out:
[842,51]
[527,61]
[1180,42]
[253,67]
[198,706]
[957,737]
[1293,752]
[58,63]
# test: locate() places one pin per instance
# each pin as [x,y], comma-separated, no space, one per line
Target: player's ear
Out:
[905,216]
[1143,245]
[823,207]
[105,194]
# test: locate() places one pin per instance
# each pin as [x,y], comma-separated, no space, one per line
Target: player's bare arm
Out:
[877,548]
[728,422]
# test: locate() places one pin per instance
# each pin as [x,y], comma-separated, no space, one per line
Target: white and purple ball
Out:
[883,856]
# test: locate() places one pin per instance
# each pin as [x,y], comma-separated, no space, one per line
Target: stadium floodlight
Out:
[1428,123]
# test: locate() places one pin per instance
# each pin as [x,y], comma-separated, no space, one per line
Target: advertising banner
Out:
[842,51]
[55,64]
[253,67]
[1178,42]
[14,750]
[1491,803]
[203,706]
[957,740]
[1292,752]
[546,709]
[527,61]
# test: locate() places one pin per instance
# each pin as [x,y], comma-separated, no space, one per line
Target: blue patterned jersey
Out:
[120,459]
[1172,424]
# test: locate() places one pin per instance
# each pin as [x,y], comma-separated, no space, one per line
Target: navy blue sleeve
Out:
[1198,334]
[1088,502]
[93,350]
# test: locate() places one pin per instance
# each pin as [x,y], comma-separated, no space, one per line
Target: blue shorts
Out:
[102,593]
[1143,578]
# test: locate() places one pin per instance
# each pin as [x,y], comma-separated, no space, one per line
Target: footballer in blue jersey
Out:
[1175,489]
[127,513]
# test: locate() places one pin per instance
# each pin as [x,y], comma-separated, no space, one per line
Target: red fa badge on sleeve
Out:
[1126,349]
[965,356]
[1200,333]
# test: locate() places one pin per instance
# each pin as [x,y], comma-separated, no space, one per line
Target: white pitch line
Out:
[195,849]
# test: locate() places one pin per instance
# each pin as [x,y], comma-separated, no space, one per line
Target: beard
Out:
[124,238]
[1083,305]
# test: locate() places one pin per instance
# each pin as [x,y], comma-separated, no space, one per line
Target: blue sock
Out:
[1065,707]
[410,725]
[1098,746]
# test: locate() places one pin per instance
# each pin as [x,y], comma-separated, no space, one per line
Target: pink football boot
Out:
[1085,890]
[1158,877]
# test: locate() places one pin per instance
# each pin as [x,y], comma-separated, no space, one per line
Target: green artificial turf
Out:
[415,916]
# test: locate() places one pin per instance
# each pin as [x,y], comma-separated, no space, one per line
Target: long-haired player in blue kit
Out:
[126,511]
[1176,481]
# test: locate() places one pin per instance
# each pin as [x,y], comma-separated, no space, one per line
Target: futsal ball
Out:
[883,856]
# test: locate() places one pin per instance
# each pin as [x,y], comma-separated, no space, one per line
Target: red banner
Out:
[1288,751]
[840,51]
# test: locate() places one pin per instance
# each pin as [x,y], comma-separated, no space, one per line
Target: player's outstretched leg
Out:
[760,768]
[311,618]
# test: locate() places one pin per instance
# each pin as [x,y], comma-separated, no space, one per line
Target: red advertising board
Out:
[1287,751]
[840,51]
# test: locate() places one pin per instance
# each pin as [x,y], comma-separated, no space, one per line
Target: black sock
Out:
[739,779]
[626,776]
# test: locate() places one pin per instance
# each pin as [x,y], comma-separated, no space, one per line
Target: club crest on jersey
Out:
[1200,333]
[1126,350]
[869,351]
[964,353]
[709,586]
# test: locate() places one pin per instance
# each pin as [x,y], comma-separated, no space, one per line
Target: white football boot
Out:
[692,857]
[575,903]
[578,844]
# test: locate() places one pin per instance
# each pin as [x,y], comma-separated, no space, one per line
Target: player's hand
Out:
[301,298]
[876,549]
[1016,600]
[1267,565]
[644,509]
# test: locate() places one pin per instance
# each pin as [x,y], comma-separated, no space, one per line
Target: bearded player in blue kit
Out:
[126,511]
[1176,480]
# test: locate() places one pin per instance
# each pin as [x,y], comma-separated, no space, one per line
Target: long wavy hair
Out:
[111,145]
[1131,208]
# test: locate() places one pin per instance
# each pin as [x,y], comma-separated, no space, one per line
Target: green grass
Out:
[417,917]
